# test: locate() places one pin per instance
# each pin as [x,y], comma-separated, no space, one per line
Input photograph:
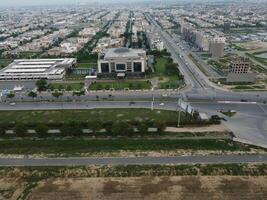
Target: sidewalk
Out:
[210,128]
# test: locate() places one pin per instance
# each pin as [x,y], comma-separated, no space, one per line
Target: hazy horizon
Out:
[57,2]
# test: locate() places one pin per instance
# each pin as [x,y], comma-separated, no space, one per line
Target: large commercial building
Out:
[31,69]
[239,71]
[122,61]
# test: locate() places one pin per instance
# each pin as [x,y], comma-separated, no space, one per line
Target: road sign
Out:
[185,107]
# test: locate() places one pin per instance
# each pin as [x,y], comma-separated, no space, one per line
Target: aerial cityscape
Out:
[142,99]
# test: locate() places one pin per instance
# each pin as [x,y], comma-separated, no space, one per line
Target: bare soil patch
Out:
[177,187]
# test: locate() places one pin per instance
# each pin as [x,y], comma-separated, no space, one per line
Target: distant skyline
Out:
[57,2]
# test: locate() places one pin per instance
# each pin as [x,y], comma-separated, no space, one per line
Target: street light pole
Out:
[152,103]
[179,113]
[179,118]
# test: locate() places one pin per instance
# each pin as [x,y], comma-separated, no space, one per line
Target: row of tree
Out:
[119,128]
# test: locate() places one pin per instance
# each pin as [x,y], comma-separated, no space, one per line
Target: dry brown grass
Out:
[184,188]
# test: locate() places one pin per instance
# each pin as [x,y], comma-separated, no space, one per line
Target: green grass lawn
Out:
[172,83]
[238,47]
[259,59]
[28,54]
[243,87]
[75,147]
[86,65]
[205,56]
[166,81]
[5,62]
[66,86]
[103,115]
[120,85]
[75,77]
[229,113]
[160,65]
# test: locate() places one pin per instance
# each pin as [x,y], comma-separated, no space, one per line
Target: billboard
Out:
[186,107]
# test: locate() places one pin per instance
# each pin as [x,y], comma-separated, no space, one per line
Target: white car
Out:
[12,104]
[161,104]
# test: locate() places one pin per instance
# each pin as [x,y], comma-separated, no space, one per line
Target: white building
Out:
[122,60]
[30,69]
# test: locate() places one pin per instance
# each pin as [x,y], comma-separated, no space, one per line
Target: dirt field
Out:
[254,45]
[184,188]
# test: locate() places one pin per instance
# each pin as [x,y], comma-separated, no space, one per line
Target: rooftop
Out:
[36,67]
[123,52]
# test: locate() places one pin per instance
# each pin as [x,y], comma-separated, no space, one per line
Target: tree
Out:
[2,129]
[161,126]
[10,95]
[20,130]
[32,94]
[57,94]
[41,85]
[71,128]
[99,87]
[95,126]
[142,128]
[69,88]
[42,130]
[121,128]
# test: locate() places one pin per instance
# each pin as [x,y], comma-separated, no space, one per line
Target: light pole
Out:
[152,103]
[179,113]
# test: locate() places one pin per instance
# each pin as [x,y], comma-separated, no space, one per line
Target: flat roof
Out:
[123,53]
[30,67]
[36,63]
[24,70]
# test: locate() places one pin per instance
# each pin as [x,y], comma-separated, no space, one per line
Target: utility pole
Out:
[179,118]
[179,113]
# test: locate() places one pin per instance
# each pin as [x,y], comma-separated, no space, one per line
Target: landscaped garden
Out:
[167,71]
[69,86]
[120,85]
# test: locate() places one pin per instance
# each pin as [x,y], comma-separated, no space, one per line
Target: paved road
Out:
[201,86]
[250,122]
[210,159]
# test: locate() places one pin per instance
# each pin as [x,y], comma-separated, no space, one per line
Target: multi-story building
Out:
[188,33]
[122,61]
[239,71]
[216,47]
[226,27]
[239,66]
[202,41]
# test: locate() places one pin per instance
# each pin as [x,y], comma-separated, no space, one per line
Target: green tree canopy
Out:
[41,85]
[20,130]
[42,130]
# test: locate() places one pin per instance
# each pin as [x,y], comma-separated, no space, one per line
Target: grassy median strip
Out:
[74,146]
[102,115]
